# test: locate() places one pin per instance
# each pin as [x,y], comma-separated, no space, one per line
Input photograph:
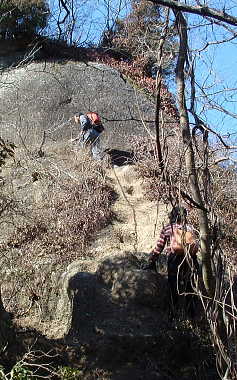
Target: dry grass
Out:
[51,220]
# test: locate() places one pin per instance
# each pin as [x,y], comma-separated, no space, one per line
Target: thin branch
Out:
[229,147]
[221,159]
[218,42]
[216,106]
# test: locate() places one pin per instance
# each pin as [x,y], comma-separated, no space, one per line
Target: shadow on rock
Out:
[119,299]
[116,318]
[120,157]
[114,327]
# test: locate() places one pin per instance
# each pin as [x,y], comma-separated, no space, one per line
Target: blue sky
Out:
[215,70]
[92,16]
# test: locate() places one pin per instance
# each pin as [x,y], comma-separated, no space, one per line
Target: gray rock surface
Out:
[41,97]
[114,265]
[113,300]
[142,287]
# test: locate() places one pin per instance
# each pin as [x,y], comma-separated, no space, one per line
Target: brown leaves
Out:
[135,70]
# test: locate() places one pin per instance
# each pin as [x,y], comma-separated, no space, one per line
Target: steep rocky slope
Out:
[94,300]
[111,315]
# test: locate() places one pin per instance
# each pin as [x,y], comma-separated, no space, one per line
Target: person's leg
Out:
[180,272]
[95,147]
[85,139]
[173,263]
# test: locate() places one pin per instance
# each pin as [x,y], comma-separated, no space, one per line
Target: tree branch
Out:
[198,10]
[221,159]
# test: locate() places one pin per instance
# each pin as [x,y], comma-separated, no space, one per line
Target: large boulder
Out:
[143,287]
[89,299]
[114,265]
[129,283]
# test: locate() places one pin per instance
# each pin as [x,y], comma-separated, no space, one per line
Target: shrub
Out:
[48,234]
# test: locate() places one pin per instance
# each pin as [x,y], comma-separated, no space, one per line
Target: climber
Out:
[181,242]
[91,128]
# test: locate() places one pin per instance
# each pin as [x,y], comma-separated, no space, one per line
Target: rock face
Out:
[142,287]
[108,300]
[37,100]
[113,266]
[129,283]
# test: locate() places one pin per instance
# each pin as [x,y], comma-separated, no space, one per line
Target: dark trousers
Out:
[181,273]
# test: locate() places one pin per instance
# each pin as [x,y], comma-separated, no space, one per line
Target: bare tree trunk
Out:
[189,155]
[157,126]
[158,93]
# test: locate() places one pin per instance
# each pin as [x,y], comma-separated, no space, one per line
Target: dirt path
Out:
[95,313]
[137,221]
